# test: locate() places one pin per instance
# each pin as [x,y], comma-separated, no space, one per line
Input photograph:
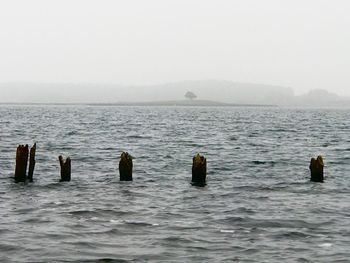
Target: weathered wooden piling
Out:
[65,169]
[199,170]
[21,163]
[31,163]
[125,167]
[316,169]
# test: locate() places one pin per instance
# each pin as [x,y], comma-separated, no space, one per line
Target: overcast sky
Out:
[303,44]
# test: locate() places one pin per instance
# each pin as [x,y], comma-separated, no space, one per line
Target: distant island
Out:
[206,93]
[189,103]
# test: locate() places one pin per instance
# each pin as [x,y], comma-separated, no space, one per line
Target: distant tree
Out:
[190,95]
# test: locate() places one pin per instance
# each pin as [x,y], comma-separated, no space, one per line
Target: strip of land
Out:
[180,103]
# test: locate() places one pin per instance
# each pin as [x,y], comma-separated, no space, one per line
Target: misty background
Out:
[270,52]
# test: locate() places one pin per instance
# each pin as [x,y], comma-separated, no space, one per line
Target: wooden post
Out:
[65,169]
[316,169]
[21,163]
[125,167]
[199,170]
[31,163]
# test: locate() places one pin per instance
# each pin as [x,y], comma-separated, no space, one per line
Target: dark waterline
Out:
[258,206]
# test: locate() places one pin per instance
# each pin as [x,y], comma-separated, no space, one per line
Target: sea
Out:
[258,205]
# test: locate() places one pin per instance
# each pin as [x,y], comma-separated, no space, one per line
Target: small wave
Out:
[109,231]
[271,163]
[268,223]
[292,235]
[281,130]
[138,223]
[226,231]
[8,247]
[71,133]
[82,212]
[107,260]
[24,210]
[139,137]
[343,150]
[262,188]
[245,210]
[86,244]
[253,135]
[4,231]
[37,220]
[177,239]
[325,245]
[116,222]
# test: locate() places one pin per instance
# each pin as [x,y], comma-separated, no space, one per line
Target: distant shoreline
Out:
[186,103]
[219,93]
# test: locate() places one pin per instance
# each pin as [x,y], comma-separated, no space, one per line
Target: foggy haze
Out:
[303,45]
[207,92]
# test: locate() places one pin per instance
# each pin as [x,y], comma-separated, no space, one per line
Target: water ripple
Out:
[258,205]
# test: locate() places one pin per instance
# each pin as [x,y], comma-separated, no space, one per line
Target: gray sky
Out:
[303,44]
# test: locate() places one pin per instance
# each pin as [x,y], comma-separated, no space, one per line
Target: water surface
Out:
[258,206]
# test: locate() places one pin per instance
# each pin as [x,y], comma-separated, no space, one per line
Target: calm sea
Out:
[258,205]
